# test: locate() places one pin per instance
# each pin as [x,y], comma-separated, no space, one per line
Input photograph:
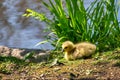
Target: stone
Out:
[38,56]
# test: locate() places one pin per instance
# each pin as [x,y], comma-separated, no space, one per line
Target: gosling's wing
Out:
[79,52]
[86,45]
[85,49]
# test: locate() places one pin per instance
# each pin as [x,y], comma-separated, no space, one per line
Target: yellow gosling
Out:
[80,50]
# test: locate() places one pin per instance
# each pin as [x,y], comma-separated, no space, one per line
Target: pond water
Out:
[18,31]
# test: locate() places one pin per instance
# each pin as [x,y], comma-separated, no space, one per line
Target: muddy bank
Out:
[105,66]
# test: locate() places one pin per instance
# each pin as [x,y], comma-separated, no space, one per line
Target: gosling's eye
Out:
[65,47]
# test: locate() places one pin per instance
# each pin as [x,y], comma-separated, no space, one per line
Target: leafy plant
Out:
[97,24]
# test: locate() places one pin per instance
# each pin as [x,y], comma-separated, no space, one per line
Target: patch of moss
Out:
[96,55]
[114,56]
[11,59]
[56,54]
[9,64]
[6,67]
[101,62]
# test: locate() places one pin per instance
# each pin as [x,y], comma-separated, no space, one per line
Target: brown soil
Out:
[103,67]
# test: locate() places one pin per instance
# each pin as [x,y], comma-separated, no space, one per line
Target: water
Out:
[18,31]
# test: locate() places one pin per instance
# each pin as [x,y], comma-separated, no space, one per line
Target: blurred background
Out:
[21,32]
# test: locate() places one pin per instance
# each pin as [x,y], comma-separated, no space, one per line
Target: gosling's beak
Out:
[62,50]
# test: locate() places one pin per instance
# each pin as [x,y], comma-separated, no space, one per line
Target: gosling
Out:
[76,51]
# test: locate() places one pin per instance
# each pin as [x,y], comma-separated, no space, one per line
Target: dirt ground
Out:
[100,67]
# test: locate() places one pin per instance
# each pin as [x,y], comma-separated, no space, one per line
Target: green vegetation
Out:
[71,21]
[11,59]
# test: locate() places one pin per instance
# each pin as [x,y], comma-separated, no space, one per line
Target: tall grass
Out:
[103,17]
[97,24]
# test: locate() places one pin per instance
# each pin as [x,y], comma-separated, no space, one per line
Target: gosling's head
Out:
[67,46]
